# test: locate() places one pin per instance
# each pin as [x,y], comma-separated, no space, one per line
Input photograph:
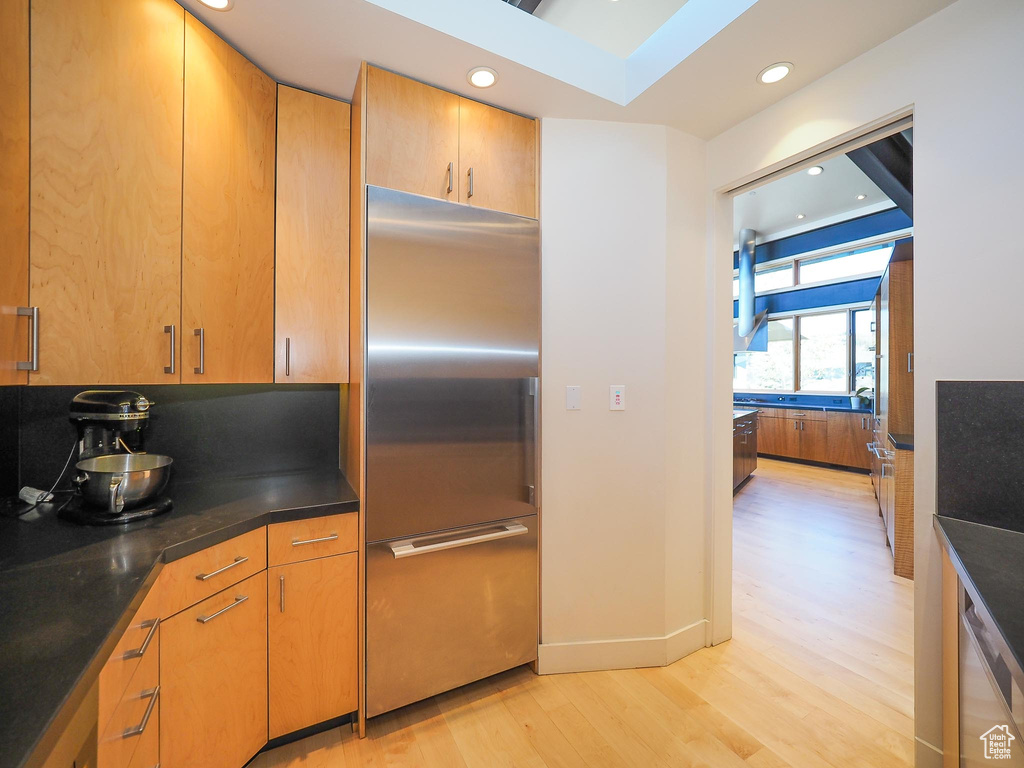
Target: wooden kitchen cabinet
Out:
[412,136]
[106,144]
[213,674]
[227,236]
[14,180]
[813,439]
[311,634]
[311,274]
[432,142]
[498,157]
[848,438]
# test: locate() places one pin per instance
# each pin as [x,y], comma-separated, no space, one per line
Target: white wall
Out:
[622,492]
[960,72]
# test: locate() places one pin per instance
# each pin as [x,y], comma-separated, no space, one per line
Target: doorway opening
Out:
[822,524]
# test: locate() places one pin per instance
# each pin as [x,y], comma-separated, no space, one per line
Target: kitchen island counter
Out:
[68,592]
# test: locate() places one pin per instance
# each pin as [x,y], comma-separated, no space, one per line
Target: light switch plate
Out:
[617,397]
[573,397]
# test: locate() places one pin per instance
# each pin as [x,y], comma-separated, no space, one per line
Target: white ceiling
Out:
[617,27]
[771,210]
[318,44]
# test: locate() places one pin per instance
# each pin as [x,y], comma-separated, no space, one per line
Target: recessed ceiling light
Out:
[218,5]
[482,77]
[800,216]
[815,170]
[861,197]
[774,72]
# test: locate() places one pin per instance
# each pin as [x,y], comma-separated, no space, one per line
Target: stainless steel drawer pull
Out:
[451,177]
[287,356]
[282,594]
[409,548]
[470,183]
[238,561]
[300,542]
[137,730]
[170,368]
[910,362]
[141,650]
[201,333]
[33,362]
[238,601]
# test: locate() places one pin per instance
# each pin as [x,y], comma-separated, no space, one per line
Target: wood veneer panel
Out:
[106,142]
[501,148]
[311,283]
[227,268]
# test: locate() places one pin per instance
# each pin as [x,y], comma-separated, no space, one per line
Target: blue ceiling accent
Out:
[872,225]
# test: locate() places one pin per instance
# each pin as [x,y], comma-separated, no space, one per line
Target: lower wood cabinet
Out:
[832,437]
[213,672]
[848,436]
[311,634]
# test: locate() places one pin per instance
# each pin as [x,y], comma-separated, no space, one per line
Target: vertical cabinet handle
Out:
[282,594]
[910,362]
[287,356]
[137,730]
[201,333]
[451,177]
[170,368]
[801,426]
[470,183]
[32,364]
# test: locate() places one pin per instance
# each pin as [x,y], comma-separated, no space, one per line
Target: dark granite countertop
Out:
[988,560]
[67,592]
[902,441]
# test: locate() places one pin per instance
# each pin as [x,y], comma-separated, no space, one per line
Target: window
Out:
[824,353]
[771,370]
[863,349]
[780,277]
[843,265]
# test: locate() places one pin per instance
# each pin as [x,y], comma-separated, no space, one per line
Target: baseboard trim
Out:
[626,653]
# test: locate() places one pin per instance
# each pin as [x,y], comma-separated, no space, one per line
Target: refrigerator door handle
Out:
[408,548]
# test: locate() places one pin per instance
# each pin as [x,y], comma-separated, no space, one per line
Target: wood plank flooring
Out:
[819,672]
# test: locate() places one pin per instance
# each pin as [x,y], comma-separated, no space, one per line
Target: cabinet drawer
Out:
[136,644]
[771,413]
[147,753]
[135,714]
[187,581]
[315,537]
[801,414]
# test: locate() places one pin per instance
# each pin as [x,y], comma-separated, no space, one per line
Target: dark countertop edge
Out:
[969,584]
[797,406]
[902,441]
[743,412]
[60,720]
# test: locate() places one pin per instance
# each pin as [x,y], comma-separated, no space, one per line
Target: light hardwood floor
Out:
[818,674]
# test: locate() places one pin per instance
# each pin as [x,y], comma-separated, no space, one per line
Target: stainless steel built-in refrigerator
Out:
[452,356]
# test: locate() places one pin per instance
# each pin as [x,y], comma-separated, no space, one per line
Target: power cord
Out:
[50,492]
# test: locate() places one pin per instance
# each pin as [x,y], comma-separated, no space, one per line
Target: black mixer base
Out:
[77,511]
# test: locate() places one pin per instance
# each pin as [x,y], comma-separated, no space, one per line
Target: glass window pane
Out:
[823,353]
[735,287]
[864,351]
[780,277]
[843,265]
[771,370]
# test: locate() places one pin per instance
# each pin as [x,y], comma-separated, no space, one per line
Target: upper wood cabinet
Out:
[432,142]
[227,266]
[311,282]
[498,155]
[412,136]
[14,164]
[106,143]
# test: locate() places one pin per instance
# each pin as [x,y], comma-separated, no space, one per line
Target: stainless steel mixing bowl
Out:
[122,480]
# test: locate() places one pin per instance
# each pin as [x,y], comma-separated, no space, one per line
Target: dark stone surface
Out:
[210,430]
[980,452]
[901,441]
[9,441]
[67,592]
[989,560]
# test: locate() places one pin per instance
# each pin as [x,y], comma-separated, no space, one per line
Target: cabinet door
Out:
[14,109]
[106,142]
[813,440]
[311,275]
[848,436]
[311,632]
[412,136]
[213,679]
[901,346]
[227,270]
[498,157]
